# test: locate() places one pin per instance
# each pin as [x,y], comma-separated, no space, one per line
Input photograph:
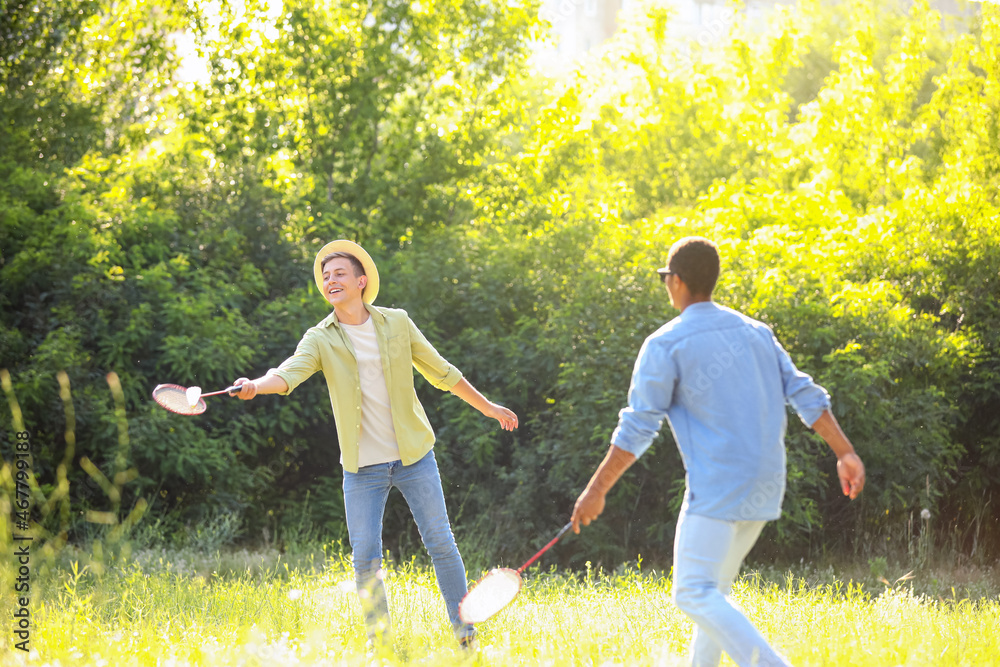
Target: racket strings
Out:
[493,592]
[174,398]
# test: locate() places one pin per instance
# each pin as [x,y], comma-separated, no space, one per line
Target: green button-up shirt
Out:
[327,347]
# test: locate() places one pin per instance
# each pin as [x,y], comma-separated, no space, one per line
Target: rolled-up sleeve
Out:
[301,365]
[649,397]
[807,398]
[429,362]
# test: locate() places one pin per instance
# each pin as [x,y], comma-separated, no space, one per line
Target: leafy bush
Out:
[848,167]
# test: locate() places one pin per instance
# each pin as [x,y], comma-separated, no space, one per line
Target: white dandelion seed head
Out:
[925,514]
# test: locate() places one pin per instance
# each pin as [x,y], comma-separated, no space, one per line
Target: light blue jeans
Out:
[707,557]
[365,495]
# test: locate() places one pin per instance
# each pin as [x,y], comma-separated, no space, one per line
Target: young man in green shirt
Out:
[367,354]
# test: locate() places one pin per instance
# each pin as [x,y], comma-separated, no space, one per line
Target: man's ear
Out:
[363,283]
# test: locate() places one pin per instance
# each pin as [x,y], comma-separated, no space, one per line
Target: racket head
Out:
[174,398]
[490,595]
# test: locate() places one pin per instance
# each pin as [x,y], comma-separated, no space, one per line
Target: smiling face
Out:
[342,284]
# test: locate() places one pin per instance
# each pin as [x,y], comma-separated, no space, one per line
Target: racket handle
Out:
[545,548]
[224,391]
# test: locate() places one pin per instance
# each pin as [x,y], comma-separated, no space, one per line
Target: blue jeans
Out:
[365,495]
[707,557]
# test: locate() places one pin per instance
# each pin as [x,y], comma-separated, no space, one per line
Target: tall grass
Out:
[119,601]
[256,608]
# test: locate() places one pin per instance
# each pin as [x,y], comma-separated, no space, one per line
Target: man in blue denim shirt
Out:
[722,380]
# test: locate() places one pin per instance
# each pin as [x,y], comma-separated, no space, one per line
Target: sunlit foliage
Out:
[846,160]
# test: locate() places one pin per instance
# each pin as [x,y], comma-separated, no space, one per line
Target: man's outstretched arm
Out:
[268,384]
[465,391]
[590,504]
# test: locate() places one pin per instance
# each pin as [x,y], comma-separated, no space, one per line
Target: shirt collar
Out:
[331,319]
[699,308]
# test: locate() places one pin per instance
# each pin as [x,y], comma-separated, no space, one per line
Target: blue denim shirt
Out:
[722,380]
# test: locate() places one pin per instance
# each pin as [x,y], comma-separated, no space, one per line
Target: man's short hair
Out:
[695,260]
[359,268]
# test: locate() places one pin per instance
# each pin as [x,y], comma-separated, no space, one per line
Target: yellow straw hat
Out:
[351,248]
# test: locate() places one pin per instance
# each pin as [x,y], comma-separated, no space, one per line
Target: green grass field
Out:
[242,608]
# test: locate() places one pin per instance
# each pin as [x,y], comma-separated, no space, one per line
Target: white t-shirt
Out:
[377,443]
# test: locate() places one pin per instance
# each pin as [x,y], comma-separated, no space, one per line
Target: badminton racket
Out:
[184,400]
[498,588]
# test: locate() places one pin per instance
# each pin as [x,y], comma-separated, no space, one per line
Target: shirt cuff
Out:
[811,414]
[449,381]
[635,446]
[286,377]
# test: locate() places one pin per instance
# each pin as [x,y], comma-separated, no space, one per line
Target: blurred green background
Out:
[162,227]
